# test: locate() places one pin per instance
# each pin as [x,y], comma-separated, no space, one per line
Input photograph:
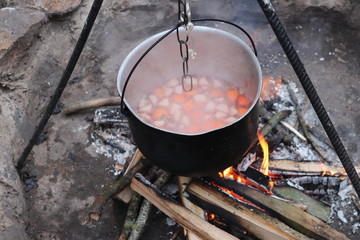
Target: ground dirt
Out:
[64,172]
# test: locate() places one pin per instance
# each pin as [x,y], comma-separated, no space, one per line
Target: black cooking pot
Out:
[220,55]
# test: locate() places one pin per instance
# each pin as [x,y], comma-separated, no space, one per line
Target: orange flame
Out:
[327,171]
[264,169]
[230,174]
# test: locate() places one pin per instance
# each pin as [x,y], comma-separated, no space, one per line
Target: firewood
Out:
[133,209]
[255,222]
[306,168]
[182,184]
[112,188]
[111,115]
[291,128]
[126,194]
[302,121]
[314,207]
[320,185]
[94,103]
[146,207]
[289,214]
[131,215]
[180,214]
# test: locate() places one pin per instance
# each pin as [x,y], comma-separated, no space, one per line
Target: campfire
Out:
[263,197]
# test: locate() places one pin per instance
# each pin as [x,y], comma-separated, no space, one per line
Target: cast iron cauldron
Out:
[219,54]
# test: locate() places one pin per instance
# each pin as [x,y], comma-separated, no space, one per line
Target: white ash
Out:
[170,222]
[246,162]
[170,189]
[341,216]
[355,228]
[124,150]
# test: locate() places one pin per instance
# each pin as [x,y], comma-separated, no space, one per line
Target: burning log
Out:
[181,215]
[136,164]
[289,214]
[100,102]
[253,221]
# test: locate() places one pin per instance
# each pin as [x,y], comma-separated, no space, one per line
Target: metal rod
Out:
[310,90]
[63,81]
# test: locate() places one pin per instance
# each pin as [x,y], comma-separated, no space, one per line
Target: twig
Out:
[146,208]
[133,209]
[286,136]
[303,123]
[273,121]
[291,128]
[100,102]
[111,189]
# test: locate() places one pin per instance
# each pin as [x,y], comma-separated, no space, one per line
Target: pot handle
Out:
[124,110]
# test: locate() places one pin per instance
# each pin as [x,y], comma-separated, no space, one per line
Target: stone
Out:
[12,202]
[17,26]
[56,7]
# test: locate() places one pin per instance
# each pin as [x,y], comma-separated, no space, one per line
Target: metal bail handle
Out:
[185,21]
[122,104]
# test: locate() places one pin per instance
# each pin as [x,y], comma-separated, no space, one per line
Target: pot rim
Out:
[147,42]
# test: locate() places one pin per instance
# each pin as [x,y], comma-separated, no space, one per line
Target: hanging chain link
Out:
[185,20]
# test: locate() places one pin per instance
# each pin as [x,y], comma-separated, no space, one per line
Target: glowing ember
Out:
[237,196]
[210,216]
[264,169]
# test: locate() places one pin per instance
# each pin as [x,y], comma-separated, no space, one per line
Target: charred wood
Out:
[284,211]
[253,220]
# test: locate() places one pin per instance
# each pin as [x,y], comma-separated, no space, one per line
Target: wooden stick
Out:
[307,167]
[303,123]
[100,102]
[134,209]
[182,215]
[291,128]
[146,207]
[125,195]
[110,189]
[131,215]
[289,214]
[183,182]
[235,213]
